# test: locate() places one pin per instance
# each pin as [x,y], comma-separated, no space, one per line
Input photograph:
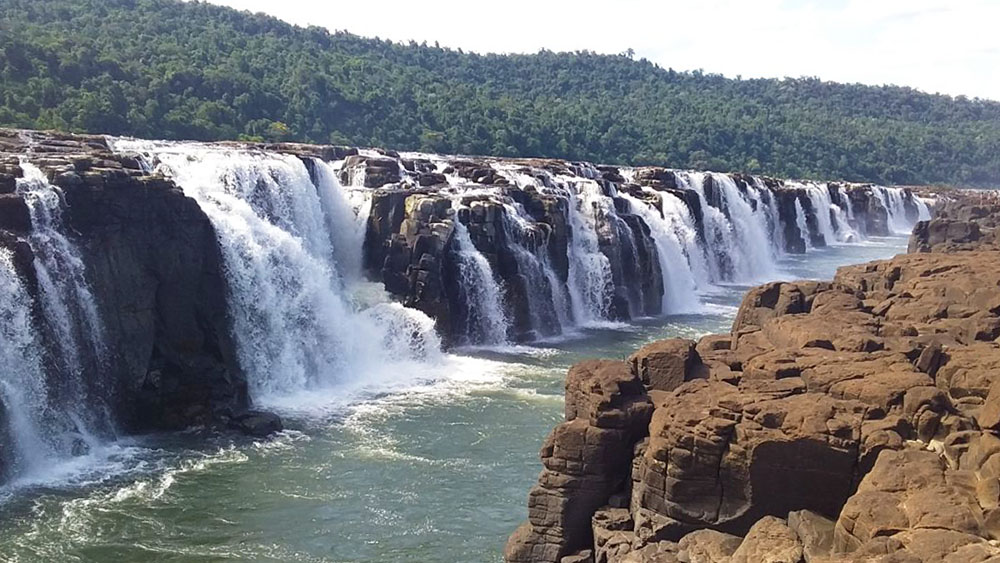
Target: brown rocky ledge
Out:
[852,420]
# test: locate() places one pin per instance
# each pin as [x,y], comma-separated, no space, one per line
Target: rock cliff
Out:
[851,420]
[153,267]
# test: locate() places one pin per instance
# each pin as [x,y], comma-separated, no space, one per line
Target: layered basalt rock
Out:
[586,460]
[852,420]
[968,223]
[154,266]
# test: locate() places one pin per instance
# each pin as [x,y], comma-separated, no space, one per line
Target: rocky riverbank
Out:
[851,420]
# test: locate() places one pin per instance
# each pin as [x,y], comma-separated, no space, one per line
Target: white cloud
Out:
[934,45]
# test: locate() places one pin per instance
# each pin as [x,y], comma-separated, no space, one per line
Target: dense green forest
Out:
[166,69]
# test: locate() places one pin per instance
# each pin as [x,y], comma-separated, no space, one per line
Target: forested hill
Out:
[165,69]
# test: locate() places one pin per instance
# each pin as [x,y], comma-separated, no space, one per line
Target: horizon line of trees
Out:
[191,70]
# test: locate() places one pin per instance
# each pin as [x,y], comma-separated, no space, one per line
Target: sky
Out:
[938,46]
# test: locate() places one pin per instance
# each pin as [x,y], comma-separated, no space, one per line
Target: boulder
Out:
[707,546]
[665,364]
[770,540]
[721,458]
[613,535]
[907,493]
[815,533]
[370,171]
[258,424]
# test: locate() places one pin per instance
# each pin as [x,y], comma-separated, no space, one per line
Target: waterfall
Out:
[23,394]
[680,287]
[893,201]
[486,321]
[800,222]
[842,225]
[69,310]
[683,225]
[546,300]
[923,210]
[735,234]
[591,286]
[716,230]
[819,196]
[844,215]
[48,422]
[295,327]
[767,201]
[292,237]
[833,222]
[754,256]
[346,215]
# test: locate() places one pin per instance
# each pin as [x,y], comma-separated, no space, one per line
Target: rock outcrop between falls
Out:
[850,420]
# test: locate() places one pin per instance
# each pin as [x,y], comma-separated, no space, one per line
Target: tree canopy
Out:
[190,70]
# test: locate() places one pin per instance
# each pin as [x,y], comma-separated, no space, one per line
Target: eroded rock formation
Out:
[851,420]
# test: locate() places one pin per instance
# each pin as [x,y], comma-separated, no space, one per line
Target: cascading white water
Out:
[742,240]
[486,322]
[23,394]
[591,286]
[767,203]
[738,245]
[294,324]
[923,209]
[68,307]
[819,196]
[802,224]
[893,201]
[754,255]
[682,224]
[546,297]
[835,218]
[679,287]
[346,220]
[716,229]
